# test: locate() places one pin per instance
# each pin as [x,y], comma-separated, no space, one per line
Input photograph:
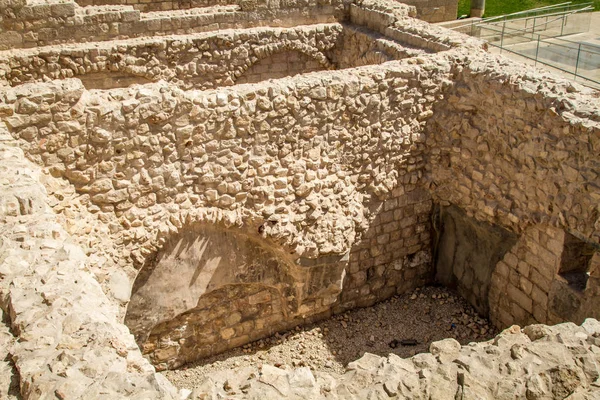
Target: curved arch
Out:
[198,273]
[266,51]
[374,56]
[210,288]
[193,263]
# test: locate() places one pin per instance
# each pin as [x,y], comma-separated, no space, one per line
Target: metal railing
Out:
[582,60]
[535,35]
[556,8]
[547,11]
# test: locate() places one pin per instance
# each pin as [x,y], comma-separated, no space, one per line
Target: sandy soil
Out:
[404,325]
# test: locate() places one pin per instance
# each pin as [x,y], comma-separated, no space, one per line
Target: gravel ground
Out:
[404,325]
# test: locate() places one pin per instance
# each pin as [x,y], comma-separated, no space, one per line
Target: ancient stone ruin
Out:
[182,178]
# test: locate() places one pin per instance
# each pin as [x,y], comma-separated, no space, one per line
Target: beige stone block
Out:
[555,247]
[238,341]
[539,296]
[165,354]
[511,259]
[547,257]
[540,280]
[505,317]
[533,260]
[383,239]
[520,298]
[502,269]
[386,217]
[520,315]
[539,313]
[227,333]
[525,285]
[260,297]
[233,318]
[523,268]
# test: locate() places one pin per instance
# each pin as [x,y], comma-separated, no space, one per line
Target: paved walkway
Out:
[563,52]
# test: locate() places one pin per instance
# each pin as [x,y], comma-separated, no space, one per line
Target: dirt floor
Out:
[404,325]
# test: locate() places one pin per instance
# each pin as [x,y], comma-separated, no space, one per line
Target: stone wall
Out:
[159,5]
[435,10]
[281,64]
[65,350]
[538,361]
[513,151]
[65,22]
[201,61]
[259,160]
[466,254]
[277,161]
[319,188]
[206,60]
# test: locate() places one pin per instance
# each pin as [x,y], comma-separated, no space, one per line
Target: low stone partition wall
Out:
[201,61]
[207,60]
[42,25]
[49,23]
[166,5]
[159,5]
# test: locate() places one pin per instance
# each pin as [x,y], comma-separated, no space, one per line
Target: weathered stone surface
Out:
[71,342]
[323,184]
[498,369]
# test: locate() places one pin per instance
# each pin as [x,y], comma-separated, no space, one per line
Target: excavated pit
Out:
[282,184]
[404,325]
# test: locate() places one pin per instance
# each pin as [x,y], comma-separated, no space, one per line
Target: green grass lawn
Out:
[499,7]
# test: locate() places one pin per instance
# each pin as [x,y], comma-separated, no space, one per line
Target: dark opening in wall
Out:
[576,261]
[466,252]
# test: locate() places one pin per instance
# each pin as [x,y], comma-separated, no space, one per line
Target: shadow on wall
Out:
[543,275]
[282,64]
[111,80]
[467,252]
[210,289]
[194,263]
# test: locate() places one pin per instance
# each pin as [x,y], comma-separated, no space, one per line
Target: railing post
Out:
[562,27]
[577,62]
[537,50]
[502,36]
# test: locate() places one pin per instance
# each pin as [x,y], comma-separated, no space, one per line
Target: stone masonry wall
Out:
[274,160]
[158,5]
[334,174]
[205,60]
[515,152]
[65,350]
[65,22]
[279,65]
[435,10]
[358,46]
[200,61]
[538,361]
[164,5]
[128,192]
